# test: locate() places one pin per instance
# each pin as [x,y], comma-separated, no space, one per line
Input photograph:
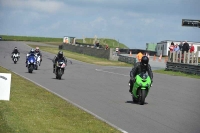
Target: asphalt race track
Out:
[172,106]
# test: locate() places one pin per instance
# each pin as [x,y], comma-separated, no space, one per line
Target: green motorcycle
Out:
[141,88]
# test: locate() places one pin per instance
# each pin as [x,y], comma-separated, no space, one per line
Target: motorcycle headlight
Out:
[31,61]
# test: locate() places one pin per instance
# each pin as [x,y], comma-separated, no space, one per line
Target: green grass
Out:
[174,73]
[83,58]
[29,38]
[103,41]
[32,109]
[57,41]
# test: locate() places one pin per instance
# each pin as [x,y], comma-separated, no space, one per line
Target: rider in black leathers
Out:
[16,51]
[142,66]
[58,57]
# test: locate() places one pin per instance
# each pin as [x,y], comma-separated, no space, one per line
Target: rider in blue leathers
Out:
[31,53]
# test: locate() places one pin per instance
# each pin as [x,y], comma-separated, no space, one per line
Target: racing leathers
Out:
[56,58]
[39,53]
[137,69]
[15,51]
[31,53]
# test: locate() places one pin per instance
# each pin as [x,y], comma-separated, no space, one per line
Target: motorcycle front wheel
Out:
[142,96]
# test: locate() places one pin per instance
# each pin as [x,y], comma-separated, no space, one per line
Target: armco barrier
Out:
[181,67]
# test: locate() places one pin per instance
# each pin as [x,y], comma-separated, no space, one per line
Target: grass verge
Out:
[173,73]
[32,109]
[84,58]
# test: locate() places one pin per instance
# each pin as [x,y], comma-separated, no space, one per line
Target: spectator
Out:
[171,48]
[176,48]
[180,46]
[185,47]
[139,56]
[106,47]
[192,48]
[97,44]
[117,51]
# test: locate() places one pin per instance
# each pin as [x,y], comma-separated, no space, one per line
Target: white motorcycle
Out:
[60,68]
[15,57]
[38,61]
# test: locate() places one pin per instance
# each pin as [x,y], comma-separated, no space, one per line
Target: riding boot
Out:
[26,63]
[53,68]
[131,86]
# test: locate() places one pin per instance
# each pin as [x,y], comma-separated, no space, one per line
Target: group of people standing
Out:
[181,47]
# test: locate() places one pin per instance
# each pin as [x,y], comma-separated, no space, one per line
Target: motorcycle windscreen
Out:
[31,59]
[143,80]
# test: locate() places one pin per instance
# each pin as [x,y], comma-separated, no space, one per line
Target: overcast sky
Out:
[132,22]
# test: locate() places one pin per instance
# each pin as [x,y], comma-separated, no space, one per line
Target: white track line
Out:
[111,72]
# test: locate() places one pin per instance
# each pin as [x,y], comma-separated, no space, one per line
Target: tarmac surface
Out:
[172,105]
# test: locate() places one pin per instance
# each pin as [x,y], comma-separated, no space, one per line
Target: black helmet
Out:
[60,54]
[145,60]
[15,48]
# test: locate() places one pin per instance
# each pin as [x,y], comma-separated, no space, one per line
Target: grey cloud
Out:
[48,6]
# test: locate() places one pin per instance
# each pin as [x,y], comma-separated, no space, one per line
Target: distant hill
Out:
[103,41]
[30,38]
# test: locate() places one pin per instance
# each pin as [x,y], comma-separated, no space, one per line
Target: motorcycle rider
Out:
[59,56]
[15,51]
[142,66]
[31,53]
[38,52]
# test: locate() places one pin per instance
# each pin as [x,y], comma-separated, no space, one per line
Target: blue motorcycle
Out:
[31,63]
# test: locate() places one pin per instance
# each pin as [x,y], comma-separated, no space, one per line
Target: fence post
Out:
[192,58]
[180,57]
[177,56]
[173,60]
[184,57]
[197,58]
[170,55]
[188,57]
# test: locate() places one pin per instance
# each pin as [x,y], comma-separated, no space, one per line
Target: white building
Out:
[163,46]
